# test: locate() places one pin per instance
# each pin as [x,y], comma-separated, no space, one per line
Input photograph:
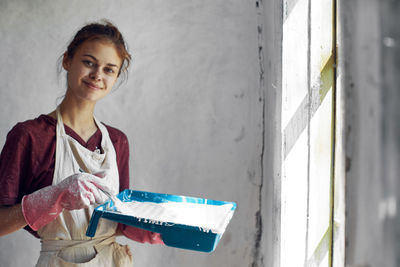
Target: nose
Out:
[95,75]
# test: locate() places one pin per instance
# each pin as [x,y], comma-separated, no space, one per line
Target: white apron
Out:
[64,242]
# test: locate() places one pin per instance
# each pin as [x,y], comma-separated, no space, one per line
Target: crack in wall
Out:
[257,254]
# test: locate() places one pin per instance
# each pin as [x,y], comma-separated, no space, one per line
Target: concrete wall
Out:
[193,107]
[271,77]
[370,61]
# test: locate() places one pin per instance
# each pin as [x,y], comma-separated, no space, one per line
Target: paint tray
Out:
[173,234]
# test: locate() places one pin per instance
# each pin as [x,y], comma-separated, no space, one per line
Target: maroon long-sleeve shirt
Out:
[28,157]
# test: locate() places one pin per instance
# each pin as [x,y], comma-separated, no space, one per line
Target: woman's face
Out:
[93,70]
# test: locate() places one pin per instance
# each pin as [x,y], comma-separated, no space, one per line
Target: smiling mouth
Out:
[92,85]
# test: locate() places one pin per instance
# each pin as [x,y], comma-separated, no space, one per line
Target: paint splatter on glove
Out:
[74,192]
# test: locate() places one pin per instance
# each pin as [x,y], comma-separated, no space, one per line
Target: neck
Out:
[78,115]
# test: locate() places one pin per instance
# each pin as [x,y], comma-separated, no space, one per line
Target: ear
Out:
[66,62]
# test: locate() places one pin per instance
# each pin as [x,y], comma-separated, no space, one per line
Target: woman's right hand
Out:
[77,191]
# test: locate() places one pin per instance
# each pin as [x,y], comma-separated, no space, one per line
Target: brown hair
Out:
[106,31]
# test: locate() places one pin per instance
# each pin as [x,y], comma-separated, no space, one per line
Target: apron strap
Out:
[60,129]
[58,245]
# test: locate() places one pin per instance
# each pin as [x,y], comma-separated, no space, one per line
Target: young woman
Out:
[42,186]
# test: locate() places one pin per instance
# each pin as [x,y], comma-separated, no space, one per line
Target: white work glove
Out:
[74,192]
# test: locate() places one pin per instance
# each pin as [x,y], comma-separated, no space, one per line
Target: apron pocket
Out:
[113,255]
[101,258]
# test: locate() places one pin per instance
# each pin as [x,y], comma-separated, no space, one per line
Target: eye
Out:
[88,63]
[109,70]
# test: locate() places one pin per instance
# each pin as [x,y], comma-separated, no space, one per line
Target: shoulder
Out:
[34,128]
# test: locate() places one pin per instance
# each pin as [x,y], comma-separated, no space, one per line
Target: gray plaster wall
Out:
[371,66]
[193,108]
[270,52]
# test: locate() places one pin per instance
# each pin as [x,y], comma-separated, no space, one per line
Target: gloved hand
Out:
[74,192]
[140,235]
